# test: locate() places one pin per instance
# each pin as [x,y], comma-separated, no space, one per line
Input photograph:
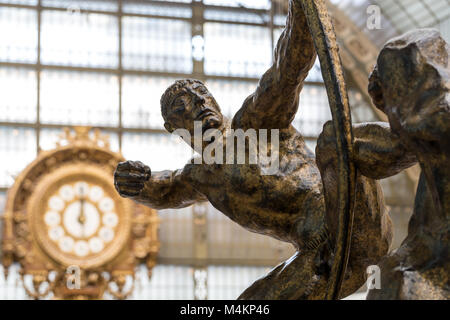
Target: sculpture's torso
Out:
[272,204]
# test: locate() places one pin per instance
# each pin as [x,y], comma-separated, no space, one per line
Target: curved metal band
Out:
[322,31]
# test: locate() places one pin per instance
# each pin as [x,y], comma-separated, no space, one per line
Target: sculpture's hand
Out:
[130,177]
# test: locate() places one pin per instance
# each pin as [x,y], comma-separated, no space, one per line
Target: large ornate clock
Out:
[68,227]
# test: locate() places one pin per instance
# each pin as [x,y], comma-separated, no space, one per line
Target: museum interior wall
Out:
[105,64]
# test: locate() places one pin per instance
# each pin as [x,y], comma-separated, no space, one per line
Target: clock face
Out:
[80,219]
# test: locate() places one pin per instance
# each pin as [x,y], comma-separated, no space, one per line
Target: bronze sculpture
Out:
[297,203]
[411,84]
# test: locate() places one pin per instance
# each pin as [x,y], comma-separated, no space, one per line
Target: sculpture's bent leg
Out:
[297,278]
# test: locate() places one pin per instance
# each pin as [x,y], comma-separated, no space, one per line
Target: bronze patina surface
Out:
[411,84]
[288,205]
[321,28]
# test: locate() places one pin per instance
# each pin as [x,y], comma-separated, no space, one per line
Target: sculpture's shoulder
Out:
[242,118]
[193,167]
[198,173]
[292,144]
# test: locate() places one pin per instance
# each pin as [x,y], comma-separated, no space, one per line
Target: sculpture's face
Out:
[189,104]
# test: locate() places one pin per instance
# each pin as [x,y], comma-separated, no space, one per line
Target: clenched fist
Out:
[130,177]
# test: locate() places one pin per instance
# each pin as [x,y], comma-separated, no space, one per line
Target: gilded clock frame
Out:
[87,152]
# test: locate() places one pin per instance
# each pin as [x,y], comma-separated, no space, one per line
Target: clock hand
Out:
[82,216]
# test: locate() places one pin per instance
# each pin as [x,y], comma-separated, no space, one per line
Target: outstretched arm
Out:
[158,190]
[275,102]
[377,152]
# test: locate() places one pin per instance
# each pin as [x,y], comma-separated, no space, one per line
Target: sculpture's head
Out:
[187,101]
[411,84]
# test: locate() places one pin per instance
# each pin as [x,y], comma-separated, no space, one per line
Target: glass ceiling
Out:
[398,16]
